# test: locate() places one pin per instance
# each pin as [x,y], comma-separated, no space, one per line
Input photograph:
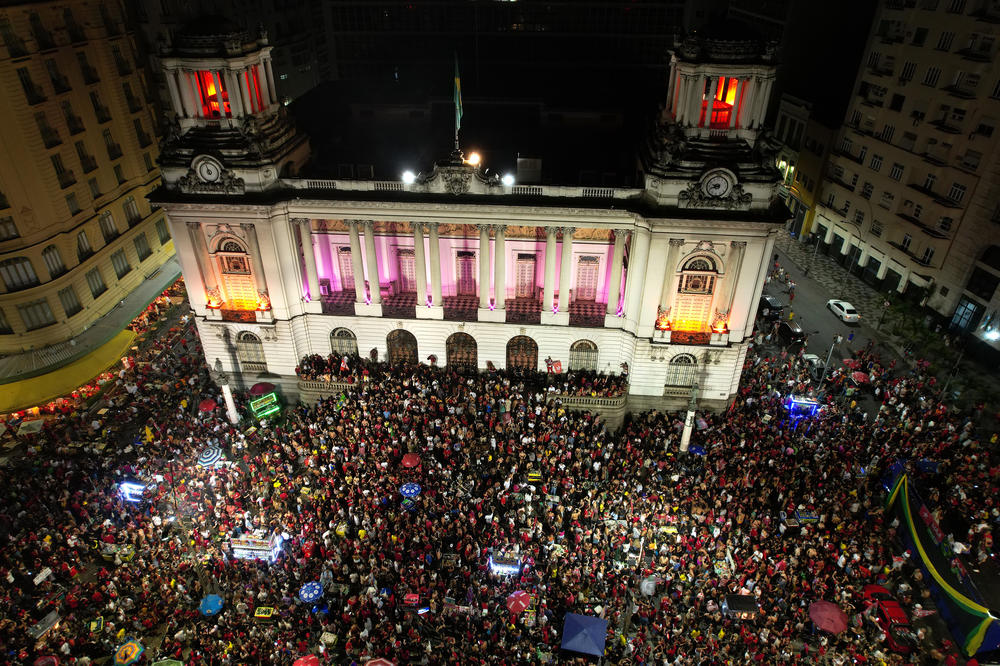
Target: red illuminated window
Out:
[256,87]
[210,97]
[725,105]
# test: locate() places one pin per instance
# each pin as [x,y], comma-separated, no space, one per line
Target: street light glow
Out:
[508,179]
[409,177]
[474,159]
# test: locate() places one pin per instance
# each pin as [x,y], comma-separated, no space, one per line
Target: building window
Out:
[120,263]
[876,162]
[83,249]
[147,159]
[887,132]
[18,273]
[119,174]
[866,190]
[108,228]
[72,204]
[114,150]
[876,228]
[583,355]
[971,160]
[932,76]
[5,328]
[31,91]
[100,111]
[15,45]
[50,137]
[53,261]
[909,68]
[682,370]
[896,172]
[996,91]
[956,7]
[8,230]
[36,314]
[132,214]
[944,224]
[945,40]
[95,189]
[65,176]
[859,217]
[250,352]
[907,239]
[926,257]
[343,342]
[929,182]
[71,304]
[957,192]
[142,246]
[96,282]
[919,36]
[162,232]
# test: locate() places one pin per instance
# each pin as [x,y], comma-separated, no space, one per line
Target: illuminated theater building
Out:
[459,266]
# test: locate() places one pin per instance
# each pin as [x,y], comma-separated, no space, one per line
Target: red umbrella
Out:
[308,660]
[852,363]
[46,661]
[860,377]
[379,662]
[828,616]
[207,405]
[411,460]
[518,601]
[260,388]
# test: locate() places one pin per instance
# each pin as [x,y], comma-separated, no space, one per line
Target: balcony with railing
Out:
[114,151]
[960,92]
[934,196]
[144,139]
[60,83]
[110,234]
[50,137]
[946,125]
[33,93]
[134,104]
[102,113]
[88,162]
[844,152]
[82,255]
[66,178]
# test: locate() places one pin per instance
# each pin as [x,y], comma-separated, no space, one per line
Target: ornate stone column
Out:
[712,89]
[258,264]
[309,255]
[635,277]
[548,290]
[614,288]
[694,104]
[686,85]
[357,267]
[499,267]
[233,89]
[484,266]
[435,241]
[670,275]
[671,86]
[740,84]
[175,95]
[374,286]
[188,96]
[205,262]
[248,102]
[566,270]
[218,93]
[420,264]
[734,265]
[746,111]
[269,75]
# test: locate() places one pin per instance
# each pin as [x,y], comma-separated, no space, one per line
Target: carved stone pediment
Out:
[227,183]
[693,196]
[457,180]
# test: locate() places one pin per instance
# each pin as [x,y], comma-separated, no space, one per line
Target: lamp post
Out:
[837,339]
[221,377]
[689,419]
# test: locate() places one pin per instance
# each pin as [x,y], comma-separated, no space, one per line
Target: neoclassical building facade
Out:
[458,267]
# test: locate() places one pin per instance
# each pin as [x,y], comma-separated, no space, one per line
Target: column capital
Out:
[621,233]
[484,227]
[368,224]
[568,231]
[498,228]
[739,245]
[430,226]
[551,231]
[676,242]
[418,226]
[299,220]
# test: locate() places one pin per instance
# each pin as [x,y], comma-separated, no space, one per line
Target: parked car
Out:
[770,307]
[891,617]
[789,332]
[816,365]
[844,311]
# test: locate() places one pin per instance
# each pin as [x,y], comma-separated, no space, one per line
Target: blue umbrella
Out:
[310,592]
[210,456]
[697,450]
[410,490]
[210,605]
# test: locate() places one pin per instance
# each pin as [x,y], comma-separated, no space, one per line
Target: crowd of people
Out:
[506,473]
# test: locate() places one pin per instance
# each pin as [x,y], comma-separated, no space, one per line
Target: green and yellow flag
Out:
[458,101]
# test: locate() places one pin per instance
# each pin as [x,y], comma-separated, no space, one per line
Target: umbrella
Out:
[828,616]
[261,388]
[518,601]
[860,377]
[210,605]
[697,450]
[586,634]
[129,653]
[46,661]
[310,592]
[852,363]
[210,456]
[410,490]
[207,405]
[31,427]
[379,662]
[411,460]
[308,660]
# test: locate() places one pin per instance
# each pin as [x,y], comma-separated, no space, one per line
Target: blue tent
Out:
[582,633]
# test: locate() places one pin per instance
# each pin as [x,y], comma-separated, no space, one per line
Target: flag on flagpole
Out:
[458,101]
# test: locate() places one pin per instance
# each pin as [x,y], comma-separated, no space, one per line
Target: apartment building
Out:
[905,198]
[77,234]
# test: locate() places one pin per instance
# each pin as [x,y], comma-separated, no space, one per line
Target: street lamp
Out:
[837,339]
[689,419]
[221,378]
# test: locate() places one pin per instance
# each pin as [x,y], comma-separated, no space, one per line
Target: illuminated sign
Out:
[265,405]
[131,491]
[251,548]
[800,406]
[505,565]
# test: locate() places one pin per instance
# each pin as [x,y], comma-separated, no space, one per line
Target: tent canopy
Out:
[585,634]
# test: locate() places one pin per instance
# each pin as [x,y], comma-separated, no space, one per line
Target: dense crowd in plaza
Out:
[505,471]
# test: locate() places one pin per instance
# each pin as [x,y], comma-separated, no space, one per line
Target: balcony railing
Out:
[66,178]
[959,92]
[244,316]
[110,235]
[83,255]
[114,151]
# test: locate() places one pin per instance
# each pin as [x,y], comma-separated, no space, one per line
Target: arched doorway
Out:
[402,348]
[583,355]
[343,342]
[461,352]
[522,353]
[250,352]
[681,370]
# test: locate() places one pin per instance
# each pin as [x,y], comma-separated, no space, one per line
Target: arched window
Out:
[693,306]
[53,261]
[343,342]
[237,278]
[681,370]
[461,352]
[583,355]
[250,352]
[522,353]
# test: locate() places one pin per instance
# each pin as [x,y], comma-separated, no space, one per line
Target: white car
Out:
[844,311]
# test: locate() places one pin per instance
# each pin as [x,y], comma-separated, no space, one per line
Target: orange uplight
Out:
[213,303]
[663,321]
[720,327]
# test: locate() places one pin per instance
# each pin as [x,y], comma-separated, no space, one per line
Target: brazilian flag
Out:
[458,98]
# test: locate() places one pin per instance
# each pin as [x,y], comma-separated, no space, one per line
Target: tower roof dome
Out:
[215,35]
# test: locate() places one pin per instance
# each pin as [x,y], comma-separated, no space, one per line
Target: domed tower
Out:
[230,134]
[709,149]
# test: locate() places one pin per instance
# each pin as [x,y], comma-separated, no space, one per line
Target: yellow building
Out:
[79,152]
